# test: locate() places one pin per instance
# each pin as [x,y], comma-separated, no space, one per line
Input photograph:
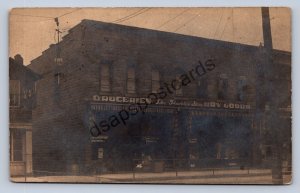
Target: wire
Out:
[69,13]
[49,18]
[224,28]
[128,15]
[32,16]
[35,21]
[194,17]
[143,10]
[218,24]
[233,29]
[172,19]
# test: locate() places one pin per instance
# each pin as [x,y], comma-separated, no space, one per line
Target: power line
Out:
[32,16]
[194,17]
[35,21]
[69,12]
[218,24]
[233,28]
[172,19]
[62,31]
[26,15]
[143,10]
[128,16]
[224,28]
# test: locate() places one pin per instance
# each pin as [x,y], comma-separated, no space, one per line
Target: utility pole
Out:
[58,59]
[58,62]
[272,114]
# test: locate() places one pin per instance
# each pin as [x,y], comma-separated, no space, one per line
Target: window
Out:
[100,153]
[178,92]
[202,88]
[241,88]
[131,80]
[105,78]
[17,139]
[222,87]
[14,93]
[155,81]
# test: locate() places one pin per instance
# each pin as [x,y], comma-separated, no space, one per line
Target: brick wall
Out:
[59,136]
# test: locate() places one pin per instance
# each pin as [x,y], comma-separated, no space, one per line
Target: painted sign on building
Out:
[171,102]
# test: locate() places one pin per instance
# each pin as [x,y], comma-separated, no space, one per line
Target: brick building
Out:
[215,121]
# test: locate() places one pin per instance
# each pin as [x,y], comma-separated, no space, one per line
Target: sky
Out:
[32,30]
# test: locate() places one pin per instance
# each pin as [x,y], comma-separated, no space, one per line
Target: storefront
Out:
[20,149]
[126,146]
[220,138]
[170,132]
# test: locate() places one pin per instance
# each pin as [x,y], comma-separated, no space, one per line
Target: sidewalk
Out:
[252,176]
[192,177]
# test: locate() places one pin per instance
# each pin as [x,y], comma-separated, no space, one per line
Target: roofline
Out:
[231,44]
[27,69]
[207,41]
[227,44]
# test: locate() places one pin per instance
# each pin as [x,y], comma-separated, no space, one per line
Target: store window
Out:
[14,93]
[17,144]
[155,81]
[223,87]
[105,78]
[131,80]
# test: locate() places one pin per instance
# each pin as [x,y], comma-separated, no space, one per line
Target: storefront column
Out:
[257,127]
[28,151]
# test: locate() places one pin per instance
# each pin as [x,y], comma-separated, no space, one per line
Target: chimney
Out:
[266,28]
[19,59]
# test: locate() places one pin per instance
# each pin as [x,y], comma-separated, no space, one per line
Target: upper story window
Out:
[241,88]
[178,91]
[223,87]
[14,93]
[155,81]
[202,88]
[131,80]
[105,78]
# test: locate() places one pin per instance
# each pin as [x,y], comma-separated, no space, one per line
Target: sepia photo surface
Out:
[150,95]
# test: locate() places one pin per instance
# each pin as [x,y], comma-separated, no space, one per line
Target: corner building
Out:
[214,121]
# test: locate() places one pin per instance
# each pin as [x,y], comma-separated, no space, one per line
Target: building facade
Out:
[22,100]
[216,120]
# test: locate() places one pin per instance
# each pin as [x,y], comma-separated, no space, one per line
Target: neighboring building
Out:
[272,144]
[212,122]
[21,102]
